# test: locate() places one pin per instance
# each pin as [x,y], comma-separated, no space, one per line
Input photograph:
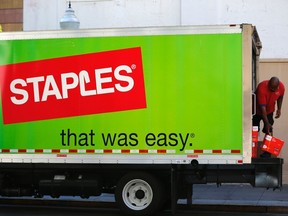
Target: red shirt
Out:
[265,97]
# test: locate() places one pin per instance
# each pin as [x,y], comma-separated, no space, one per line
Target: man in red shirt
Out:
[268,92]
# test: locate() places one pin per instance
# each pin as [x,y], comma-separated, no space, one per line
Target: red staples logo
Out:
[73,86]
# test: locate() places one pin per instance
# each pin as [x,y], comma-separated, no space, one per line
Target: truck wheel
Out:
[139,194]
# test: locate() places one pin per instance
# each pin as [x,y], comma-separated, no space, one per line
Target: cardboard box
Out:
[255,134]
[272,145]
[254,142]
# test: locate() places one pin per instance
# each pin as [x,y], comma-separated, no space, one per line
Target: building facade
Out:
[11,15]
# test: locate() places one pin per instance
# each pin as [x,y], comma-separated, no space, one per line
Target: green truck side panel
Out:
[193,87]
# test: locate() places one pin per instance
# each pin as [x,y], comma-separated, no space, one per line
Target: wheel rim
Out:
[137,194]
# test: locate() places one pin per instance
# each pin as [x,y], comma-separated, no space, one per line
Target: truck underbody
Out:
[139,189]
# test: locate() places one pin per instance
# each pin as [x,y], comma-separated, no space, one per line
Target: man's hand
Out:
[278,114]
[268,128]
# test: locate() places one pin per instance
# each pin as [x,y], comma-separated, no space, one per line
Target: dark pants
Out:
[258,118]
[256,122]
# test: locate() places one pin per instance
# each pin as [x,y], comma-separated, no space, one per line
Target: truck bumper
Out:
[261,172]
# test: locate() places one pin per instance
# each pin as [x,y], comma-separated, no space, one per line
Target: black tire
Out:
[139,193]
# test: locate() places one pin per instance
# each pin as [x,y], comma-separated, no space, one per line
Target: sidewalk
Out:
[224,195]
[241,197]
[238,197]
[238,194]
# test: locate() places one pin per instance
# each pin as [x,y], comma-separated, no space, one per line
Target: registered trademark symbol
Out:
[192,135]
[133,66]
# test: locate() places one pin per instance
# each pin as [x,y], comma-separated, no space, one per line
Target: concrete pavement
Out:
[227,197]
[230,197]
[228,194]
[238,197]
[239,194]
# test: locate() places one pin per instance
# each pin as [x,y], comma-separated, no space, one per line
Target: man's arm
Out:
[279,105]
[267,125]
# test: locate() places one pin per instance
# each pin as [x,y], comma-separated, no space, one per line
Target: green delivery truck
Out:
[144,113]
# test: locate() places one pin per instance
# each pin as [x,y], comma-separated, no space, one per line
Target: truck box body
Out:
[143,113]
[155,95]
